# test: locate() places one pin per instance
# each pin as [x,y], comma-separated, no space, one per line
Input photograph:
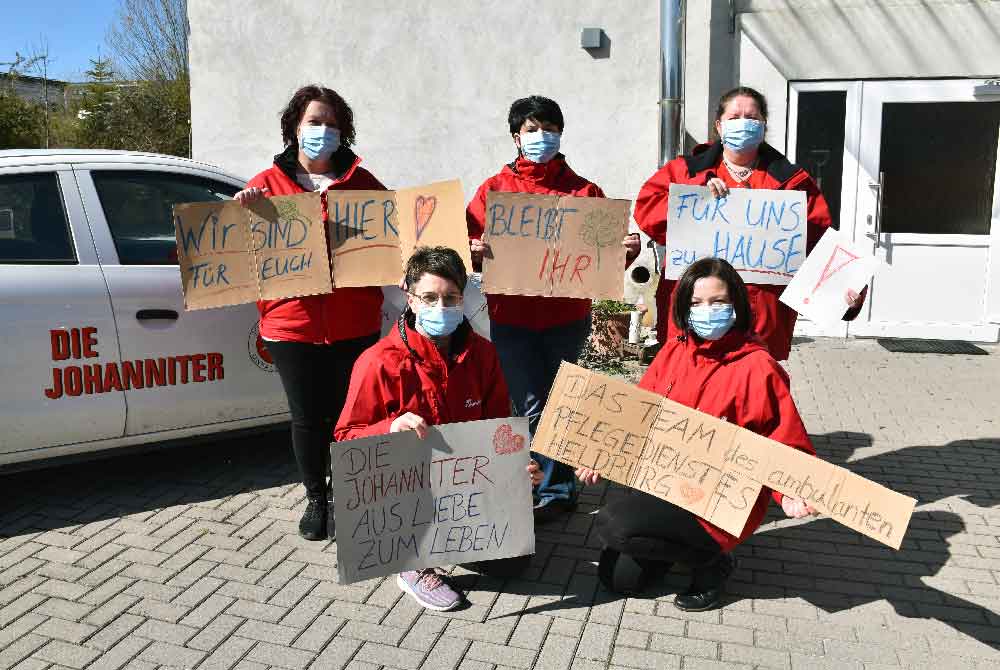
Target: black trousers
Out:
[315,379]
[645,527]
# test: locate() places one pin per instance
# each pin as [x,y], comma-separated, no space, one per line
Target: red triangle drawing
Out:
[838,259]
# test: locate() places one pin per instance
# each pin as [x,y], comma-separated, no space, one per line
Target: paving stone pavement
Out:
[190,558]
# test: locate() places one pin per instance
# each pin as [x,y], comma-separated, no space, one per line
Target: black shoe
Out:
[552,510]
[628,575]
[707,585]
[312,525]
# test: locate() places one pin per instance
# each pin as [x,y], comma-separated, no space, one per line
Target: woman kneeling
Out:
[717,365]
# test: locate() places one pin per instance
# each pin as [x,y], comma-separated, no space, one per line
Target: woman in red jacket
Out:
[716,365]
[431,369]
[314,340]
[533,334]
[739,159]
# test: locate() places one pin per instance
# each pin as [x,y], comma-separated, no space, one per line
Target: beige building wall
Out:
[430,82]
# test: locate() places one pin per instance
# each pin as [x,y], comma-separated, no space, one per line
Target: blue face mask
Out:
[540,146]
[710,322]
[742,134]
[319,142]
[440,321]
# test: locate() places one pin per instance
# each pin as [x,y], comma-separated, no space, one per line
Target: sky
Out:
[74,30]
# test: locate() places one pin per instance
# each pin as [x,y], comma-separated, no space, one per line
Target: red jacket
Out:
[344,314]
[773,320]
[524,176]
[734,378]
[398,375]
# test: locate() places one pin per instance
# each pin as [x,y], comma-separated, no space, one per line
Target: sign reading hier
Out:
[461,494]
[760,232]
[707,466]
[551,245]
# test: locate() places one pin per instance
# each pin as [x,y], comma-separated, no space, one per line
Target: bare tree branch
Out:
[149,39]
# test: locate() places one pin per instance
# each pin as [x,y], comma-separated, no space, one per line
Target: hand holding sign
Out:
[405,503]
[833,274]
[705,465]
[551,245]
[760,232]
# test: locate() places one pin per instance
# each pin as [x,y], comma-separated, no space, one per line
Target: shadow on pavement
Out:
[836,569]
[122,485]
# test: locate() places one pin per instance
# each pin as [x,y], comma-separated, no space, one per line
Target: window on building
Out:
[33,224]
[938,161]
[138,206]
[820,142]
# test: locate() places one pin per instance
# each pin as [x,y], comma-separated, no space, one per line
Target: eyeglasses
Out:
[431,299]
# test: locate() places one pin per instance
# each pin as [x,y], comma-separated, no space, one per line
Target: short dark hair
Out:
[737,92]
[534,107]
[442,262]
[291,116]
[710,267]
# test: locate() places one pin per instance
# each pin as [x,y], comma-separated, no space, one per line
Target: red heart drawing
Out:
[422,212]
[691,494]
[505,441]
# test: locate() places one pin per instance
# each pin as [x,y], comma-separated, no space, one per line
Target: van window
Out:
[33,224]
[138,206]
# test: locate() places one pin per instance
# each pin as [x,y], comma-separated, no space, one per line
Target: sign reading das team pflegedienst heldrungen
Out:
[461,494]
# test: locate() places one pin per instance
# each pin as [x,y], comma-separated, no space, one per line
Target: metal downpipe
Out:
[672,22]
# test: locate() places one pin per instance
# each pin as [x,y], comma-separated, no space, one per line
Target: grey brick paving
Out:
[200,565]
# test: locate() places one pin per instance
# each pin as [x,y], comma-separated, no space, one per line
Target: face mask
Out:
[742,134]
[540,146]
[440,321]
[319,142]
[710,322]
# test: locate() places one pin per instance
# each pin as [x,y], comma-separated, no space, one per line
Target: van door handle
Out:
[146,314]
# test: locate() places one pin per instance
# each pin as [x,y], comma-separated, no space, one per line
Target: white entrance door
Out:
[823,129]
[927,201]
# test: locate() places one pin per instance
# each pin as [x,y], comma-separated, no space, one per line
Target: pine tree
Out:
[97,106]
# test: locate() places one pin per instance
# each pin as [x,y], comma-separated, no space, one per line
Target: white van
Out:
[97,350]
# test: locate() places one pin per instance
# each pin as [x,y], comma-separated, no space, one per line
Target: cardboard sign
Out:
[434,215]
[364,238]
[705,465]
[761,233]
[552,245]
[836,264]
[461,494]
[230,255]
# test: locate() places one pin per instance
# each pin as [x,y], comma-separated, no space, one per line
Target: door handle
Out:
[147,314]
[879,188]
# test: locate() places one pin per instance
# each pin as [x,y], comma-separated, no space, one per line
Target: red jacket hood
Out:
[541,173]
[732,346]
[404,340]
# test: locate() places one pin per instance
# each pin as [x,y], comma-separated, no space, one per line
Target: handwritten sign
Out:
[434,215]
[364,238]
[707,466]
[552,245]
[761,233]
[230,255]
[835,265]
[461,494]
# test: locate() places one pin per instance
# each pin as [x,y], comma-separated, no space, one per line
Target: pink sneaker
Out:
[429,589]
